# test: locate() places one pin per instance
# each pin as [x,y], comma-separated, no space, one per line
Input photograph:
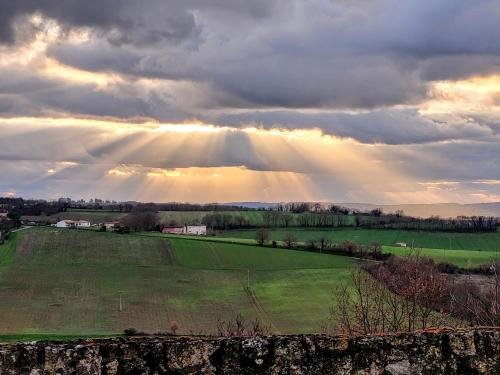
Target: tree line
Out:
[284,215]
[464,224]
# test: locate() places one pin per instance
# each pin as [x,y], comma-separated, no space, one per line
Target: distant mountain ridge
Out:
[254,205]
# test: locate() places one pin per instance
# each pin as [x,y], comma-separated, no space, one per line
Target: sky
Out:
[378,101]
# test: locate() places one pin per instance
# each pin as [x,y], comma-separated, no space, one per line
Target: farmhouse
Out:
[174,230]
[111,225]
[198,230]
[401,244]
[73,224]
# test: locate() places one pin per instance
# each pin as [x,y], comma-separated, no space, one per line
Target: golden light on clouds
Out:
[53,69]
[486,182]
[195,162]
[213,184]
[157,172]
[120,172]
[9,194]
[473,94]
[33,53]
[205,163]
[187,128]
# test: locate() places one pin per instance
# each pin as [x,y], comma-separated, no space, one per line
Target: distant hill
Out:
[440,209]
[417,210]
[254,205]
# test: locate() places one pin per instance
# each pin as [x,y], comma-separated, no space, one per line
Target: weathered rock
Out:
[434,352]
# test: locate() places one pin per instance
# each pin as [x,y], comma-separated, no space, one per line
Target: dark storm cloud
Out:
[129,21]
[308,54]
[133,20]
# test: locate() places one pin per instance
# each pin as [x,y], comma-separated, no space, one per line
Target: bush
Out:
[290,240]
[446,267]
[174,326]
[348,247]
[130,332]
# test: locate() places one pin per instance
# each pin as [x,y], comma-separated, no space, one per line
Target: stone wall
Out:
[432,352]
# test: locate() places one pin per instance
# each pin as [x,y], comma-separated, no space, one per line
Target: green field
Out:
[467,249]
[461,258]
[222,256]
[69,282]
[388,237]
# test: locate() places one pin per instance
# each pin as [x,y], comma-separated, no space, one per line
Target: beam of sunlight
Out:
[205,162]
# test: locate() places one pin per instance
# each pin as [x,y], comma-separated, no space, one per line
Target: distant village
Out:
[112,226]
[134,216]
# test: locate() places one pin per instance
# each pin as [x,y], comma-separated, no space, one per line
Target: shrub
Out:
[130,332]
[446,267]
[174,326]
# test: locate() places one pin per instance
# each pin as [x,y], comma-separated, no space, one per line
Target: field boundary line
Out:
[254,301]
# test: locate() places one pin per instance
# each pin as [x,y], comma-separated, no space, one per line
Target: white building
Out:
[401,244]
[199,230]
[73,224]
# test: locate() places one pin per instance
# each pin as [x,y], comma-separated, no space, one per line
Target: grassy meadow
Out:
[463,249]
[461,258]
[388,237]
[60,283]
[69,282]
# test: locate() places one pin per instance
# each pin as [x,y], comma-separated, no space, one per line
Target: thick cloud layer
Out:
[293,54]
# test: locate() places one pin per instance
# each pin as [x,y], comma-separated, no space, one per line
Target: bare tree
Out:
[324,243]
[475,304]
[402,296]
[238,327]
[290,240]
[262,236]
[140,221]
[286,219]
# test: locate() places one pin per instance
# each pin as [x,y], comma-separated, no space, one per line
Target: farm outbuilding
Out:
[174,230]
[111,225]
[199,230]
[73,224]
